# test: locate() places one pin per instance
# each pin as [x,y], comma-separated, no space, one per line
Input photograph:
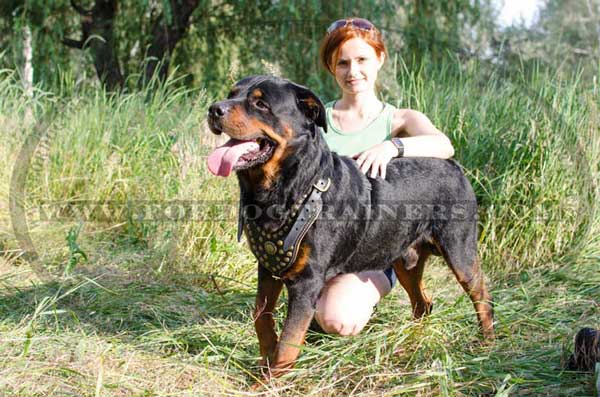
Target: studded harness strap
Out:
[277,250]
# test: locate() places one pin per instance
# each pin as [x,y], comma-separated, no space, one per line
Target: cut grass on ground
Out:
[135,336]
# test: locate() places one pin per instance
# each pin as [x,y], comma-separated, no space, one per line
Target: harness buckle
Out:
[323,185]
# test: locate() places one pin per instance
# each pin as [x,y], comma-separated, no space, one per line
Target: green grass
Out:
[164,307]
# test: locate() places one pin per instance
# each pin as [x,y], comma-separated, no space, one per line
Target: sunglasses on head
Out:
[358,23]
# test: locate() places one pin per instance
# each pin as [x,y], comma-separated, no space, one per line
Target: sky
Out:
[512,11]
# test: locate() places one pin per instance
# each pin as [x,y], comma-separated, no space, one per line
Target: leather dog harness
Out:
[276,250]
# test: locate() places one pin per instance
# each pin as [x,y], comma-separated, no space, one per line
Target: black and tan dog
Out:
[310,214]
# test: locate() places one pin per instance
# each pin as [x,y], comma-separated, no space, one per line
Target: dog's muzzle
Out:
[215,113]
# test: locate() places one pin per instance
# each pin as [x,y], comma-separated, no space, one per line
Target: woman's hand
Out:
[376,158]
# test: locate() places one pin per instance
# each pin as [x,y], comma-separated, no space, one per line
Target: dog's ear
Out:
[310,105]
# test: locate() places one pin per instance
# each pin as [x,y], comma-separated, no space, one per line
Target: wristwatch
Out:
[399,145]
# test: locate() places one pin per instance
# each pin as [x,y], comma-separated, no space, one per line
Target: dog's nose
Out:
[217,110]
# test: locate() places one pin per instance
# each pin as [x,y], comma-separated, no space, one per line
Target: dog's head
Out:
[262,115]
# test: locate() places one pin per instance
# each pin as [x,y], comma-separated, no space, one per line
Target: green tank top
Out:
[349,143]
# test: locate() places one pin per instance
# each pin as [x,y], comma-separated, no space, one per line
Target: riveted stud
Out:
[280,252]
[289,253]
[286,259]
[270,248]
[279,243]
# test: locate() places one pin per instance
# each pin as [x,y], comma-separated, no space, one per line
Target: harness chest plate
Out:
[277,250]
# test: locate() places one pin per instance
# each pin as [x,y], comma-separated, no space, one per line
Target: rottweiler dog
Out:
[310,214]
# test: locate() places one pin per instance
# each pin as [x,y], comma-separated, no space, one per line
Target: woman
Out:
[373,133]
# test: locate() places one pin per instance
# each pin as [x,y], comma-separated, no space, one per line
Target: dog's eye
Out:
[262,105]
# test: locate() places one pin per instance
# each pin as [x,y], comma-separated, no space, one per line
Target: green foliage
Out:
[436,28]
[76,254]
[49,23]
[573,27]
[235,38]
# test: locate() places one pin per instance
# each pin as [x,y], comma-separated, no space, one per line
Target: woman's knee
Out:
[346,303]
[341,327]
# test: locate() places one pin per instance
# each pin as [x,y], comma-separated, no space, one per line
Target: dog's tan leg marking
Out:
[474,285]
[288,348]
[412,281]
[299,264]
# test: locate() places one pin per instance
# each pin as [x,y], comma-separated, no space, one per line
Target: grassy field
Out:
[122,303]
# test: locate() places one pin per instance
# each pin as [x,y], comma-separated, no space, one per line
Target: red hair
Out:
[333,41]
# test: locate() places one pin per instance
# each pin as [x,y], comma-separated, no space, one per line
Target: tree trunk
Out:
[97,35]
[28,71]
[27,65]
[165,36]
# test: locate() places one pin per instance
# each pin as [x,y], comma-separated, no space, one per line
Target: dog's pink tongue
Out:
[222,160]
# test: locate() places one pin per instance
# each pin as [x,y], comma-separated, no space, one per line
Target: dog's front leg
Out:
[303,296]
[268,292]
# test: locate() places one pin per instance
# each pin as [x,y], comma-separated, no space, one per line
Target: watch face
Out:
[399,145]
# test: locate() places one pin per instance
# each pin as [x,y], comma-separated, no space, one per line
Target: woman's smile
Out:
[354,81]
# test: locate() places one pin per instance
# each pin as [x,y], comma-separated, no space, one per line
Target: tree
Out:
[566,34]
[167,30]
[436,28]
[215,41]
[97,34]
[97,28]
[571,29]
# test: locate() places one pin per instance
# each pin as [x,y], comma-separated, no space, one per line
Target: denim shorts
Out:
[391,275]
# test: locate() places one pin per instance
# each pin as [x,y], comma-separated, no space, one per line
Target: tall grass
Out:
[529,144]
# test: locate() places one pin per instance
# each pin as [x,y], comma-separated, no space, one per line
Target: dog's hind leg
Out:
[459,248]
[471,279]
[412,281]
